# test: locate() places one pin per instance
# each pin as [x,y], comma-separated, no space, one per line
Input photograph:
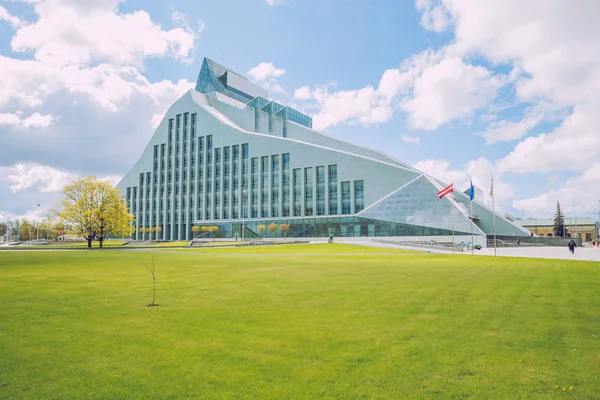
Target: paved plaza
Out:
[586,253]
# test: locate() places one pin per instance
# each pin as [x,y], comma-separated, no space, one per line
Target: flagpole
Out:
[494,214]
[472,242]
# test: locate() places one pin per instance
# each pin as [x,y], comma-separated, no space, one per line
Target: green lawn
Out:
[320,321]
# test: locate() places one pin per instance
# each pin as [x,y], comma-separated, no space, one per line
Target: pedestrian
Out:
[572,246]
[331,239]
[518,241]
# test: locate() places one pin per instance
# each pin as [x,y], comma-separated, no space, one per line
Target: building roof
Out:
[575,221]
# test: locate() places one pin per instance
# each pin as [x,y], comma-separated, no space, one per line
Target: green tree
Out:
[3,229]
[261,229]
[25,230]
[284,228]
[559,222]
[195,230]
[95,209]
[273,228]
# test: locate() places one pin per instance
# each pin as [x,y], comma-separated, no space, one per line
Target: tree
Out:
[152,272]
[213,229]
[25,231]
[205,229]
[559,222]
[95,209]
[195,229]
[273,228]
[3,229]
[261,229]
[150,231]
[158,230]
[284,228]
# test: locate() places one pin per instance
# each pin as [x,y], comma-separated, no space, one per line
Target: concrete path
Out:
[581,253]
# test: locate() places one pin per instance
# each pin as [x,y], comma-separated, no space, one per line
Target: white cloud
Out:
[569,196]
[478,170]
[573,145]
[47,179]
[411,139]
[431,87]
[35,120]
[265,71]
[448,90]
[303,93]
[68,32]
[275,2]
[440,169]
[434,16]
[504,130]
[554,53]
[8,17]
[31,83]
[367,105]
[267,75]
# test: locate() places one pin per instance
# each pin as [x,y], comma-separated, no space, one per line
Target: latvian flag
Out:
[447,190]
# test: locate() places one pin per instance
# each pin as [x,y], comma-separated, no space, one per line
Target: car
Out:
[467,246]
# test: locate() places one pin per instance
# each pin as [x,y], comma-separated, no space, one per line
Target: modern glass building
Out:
[224,155]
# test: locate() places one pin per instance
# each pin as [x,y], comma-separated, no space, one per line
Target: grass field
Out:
[320,321]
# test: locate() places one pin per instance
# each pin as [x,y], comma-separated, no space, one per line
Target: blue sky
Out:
[460,89]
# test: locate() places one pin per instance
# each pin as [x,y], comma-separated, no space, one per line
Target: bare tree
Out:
[152,272]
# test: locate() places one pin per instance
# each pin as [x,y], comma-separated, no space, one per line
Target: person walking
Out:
[572,246]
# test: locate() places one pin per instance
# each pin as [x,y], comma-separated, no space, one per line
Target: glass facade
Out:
[189,179]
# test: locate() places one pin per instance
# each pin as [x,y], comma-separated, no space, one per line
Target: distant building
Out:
[585,228]
[227,156]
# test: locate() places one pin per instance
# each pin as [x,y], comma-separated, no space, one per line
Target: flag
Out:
[471,191]
[447,190]
[492,185]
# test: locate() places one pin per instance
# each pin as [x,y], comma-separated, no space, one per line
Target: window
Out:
[264,182]
[254,187]
[297,182]
[275,186]
[359,196]
[346,198]
[320,190]
[285,179]
[333,192]
[308,192]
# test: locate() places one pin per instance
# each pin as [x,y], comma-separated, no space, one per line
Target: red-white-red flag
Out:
[447,190]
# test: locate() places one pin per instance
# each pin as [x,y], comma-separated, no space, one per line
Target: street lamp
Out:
[37,226]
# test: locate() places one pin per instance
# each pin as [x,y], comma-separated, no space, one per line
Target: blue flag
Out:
[472,191]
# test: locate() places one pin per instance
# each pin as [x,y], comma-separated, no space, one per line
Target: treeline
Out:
[30,230]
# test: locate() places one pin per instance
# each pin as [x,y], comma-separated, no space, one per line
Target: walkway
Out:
[581,253]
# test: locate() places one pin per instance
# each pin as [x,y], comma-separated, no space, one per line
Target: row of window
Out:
[191,180]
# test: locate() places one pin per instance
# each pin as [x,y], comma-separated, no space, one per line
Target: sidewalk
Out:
[581,253]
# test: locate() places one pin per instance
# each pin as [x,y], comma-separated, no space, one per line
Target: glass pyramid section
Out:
[484,218]
[417,203]
[213,78]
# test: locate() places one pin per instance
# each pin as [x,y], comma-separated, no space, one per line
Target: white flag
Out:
[492,185]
